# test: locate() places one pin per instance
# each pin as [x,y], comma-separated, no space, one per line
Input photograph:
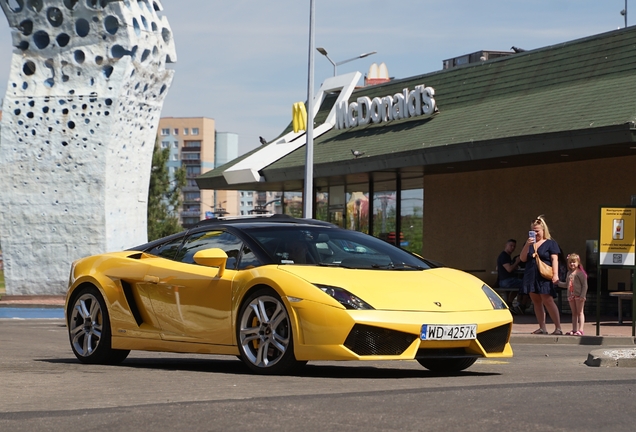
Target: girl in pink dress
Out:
[576,284]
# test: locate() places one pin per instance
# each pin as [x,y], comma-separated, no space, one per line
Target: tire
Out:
[89,329]
[447,365]
[264,335]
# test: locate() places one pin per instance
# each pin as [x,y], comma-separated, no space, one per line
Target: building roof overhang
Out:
[572,101]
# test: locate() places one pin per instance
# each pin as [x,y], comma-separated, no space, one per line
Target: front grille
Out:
[494,340]
[367,340]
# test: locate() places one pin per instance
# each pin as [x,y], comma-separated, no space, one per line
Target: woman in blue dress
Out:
[541,290]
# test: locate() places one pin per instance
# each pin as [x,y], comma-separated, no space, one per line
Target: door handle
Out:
[151,279]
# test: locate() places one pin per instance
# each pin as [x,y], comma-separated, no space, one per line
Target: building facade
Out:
[451,164]
[196,144]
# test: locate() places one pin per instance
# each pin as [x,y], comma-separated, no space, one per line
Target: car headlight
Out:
[495,300]
[345,298]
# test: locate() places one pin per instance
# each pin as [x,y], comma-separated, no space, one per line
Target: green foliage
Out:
[164,197]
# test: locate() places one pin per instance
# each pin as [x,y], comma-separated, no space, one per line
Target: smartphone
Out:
[533,235]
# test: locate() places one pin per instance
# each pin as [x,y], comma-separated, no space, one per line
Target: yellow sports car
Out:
[278,292]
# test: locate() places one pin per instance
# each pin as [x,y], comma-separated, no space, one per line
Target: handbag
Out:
[544,269]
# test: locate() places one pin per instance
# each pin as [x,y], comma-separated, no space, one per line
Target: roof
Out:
[575,97]
[240,222]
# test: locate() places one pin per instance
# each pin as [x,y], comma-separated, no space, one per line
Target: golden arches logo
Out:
[299,117]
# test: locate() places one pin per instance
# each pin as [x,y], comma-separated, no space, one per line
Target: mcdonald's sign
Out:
[299,117]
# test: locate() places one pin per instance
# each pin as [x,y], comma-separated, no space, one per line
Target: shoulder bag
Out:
[544,269]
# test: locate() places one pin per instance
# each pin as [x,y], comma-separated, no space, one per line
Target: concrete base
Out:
[620,357]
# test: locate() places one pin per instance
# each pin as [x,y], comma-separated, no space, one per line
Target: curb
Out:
[572,340]
[625,357]
[32,300]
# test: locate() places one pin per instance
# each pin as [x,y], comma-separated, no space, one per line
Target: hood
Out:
[433,290]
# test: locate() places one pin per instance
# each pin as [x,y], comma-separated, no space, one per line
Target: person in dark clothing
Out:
[540,289]
[506,277]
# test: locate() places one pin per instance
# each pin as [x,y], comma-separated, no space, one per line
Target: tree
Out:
[164,196]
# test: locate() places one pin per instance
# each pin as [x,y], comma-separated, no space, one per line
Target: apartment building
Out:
[195,144]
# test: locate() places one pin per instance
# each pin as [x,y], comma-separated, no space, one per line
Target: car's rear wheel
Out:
[264,334]
[89,329]
[447,365]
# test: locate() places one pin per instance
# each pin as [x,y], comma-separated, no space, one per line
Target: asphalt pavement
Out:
[544,387]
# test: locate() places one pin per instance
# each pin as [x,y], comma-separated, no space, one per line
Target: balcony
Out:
[191,149]
[185,214]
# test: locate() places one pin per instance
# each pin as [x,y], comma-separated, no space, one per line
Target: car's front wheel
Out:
[89,329]
[264,334]
[447,365]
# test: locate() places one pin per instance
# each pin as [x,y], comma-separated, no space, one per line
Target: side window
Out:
[166,250]
[248,259]
[211,239]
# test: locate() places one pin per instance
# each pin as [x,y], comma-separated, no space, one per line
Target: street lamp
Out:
[624,13]
[308,197]
[335,65]
[217,208]
[262,209]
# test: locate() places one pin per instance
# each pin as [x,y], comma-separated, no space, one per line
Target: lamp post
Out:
[262,209]
[217,210]
[308,198]
[624,13]
[335,65]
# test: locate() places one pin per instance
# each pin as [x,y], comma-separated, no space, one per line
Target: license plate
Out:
[448,332]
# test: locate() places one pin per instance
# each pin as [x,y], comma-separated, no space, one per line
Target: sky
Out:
[245,62]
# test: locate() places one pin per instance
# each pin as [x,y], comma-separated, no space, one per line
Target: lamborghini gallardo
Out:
[278,292]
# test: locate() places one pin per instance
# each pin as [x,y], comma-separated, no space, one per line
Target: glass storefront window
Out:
[322,206]
[412,219]
[357,198]
[337,202]
[385,210]
[293,204]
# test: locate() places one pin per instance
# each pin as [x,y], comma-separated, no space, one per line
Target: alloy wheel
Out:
[86,325]
[264,334]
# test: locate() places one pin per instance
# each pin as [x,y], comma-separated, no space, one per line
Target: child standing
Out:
[576,284]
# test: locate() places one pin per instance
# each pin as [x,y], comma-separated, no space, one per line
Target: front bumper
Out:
[328,333]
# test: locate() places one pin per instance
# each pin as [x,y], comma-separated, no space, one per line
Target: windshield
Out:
[332,247]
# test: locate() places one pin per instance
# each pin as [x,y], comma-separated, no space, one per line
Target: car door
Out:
[191,302]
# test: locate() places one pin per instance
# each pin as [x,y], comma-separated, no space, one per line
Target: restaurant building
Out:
[459,160]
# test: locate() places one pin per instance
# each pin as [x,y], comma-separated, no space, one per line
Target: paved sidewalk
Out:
[609,326]
[31,301]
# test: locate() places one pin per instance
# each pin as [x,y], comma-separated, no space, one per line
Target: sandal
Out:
[557,332]
[540,331]
[578,333]
[570,333]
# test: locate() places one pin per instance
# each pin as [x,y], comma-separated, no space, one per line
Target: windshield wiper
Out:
[405,266]
[383,266]
[401,266]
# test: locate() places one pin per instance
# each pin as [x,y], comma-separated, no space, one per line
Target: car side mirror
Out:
[214,257]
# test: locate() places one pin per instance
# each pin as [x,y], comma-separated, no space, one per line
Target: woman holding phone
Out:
[540,289]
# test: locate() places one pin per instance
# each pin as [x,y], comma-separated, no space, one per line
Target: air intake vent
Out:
[130,298]
[366,340]
[494,340]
